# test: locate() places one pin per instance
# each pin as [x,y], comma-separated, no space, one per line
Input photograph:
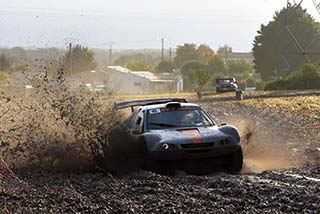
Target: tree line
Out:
[199,65]
[45,61]
[274,39]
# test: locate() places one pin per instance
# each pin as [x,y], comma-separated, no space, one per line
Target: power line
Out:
[129,18]
[317,5]
[284,67]
[141,14]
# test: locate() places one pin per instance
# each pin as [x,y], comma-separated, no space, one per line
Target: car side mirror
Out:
[138,121]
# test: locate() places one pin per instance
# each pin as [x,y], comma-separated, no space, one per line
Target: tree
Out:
[165,67]
[267,44]
[306,76]
[242,70]
[204,53]
[200,78]
[139,66]
[80,59]
[18,54]
[150,58]
[194,73]
[185,53]
[225,52]
[4,63]
[122,60]
[217,65]
[239,66]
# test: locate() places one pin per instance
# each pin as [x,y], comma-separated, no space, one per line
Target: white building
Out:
[121,80]
[124,81]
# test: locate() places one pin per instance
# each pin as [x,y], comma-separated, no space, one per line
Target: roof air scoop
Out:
[173,105]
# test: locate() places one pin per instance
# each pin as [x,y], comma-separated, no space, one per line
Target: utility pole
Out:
[162,50]
[286,66]
[70,56]
[110,54]
[170,54]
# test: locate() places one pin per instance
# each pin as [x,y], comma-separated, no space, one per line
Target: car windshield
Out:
[174,118]
[225,81]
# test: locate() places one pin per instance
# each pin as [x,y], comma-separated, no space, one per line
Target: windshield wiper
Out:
[164,124]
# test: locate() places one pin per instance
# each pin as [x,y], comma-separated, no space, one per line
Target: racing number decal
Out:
[192,134]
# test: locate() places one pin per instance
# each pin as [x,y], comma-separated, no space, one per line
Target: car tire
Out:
[105,161]
[235,161]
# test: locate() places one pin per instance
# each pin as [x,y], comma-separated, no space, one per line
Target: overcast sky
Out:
[136,23]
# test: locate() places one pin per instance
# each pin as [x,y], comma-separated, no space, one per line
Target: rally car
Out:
[171,133]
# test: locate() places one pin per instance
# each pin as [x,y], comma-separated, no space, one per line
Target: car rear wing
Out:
[123,105]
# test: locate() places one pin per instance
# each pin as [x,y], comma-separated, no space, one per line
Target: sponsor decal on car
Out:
[155,111]
[192,134]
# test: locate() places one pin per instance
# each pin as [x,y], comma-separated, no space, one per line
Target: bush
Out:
[4,78]
[279,84]
[250,82]
[306,77]
[260,86]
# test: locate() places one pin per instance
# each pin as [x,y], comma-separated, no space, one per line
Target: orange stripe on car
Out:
[192,134]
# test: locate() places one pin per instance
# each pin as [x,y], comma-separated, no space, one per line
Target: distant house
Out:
[121,80]
[124,81]
[247,56]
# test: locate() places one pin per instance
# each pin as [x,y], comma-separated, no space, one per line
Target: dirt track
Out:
[274,137]
[145,192]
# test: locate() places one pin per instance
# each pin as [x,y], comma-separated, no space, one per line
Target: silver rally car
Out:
[173,134]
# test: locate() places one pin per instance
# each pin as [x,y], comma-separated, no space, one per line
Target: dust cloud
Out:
[264,149]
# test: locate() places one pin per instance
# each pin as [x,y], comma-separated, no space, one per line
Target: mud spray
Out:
[263,148]
[54,127]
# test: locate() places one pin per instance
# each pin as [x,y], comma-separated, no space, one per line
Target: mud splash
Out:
[54,127]
[263,148]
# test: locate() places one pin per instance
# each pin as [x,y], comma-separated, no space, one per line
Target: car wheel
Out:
[235,161]
[104,161]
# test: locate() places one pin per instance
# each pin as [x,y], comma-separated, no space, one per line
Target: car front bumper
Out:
[193,154]
[226,89]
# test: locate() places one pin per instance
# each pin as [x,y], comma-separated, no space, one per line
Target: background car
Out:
[100,89]
[226,84]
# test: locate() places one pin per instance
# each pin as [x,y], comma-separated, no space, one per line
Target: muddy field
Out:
[281,142]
